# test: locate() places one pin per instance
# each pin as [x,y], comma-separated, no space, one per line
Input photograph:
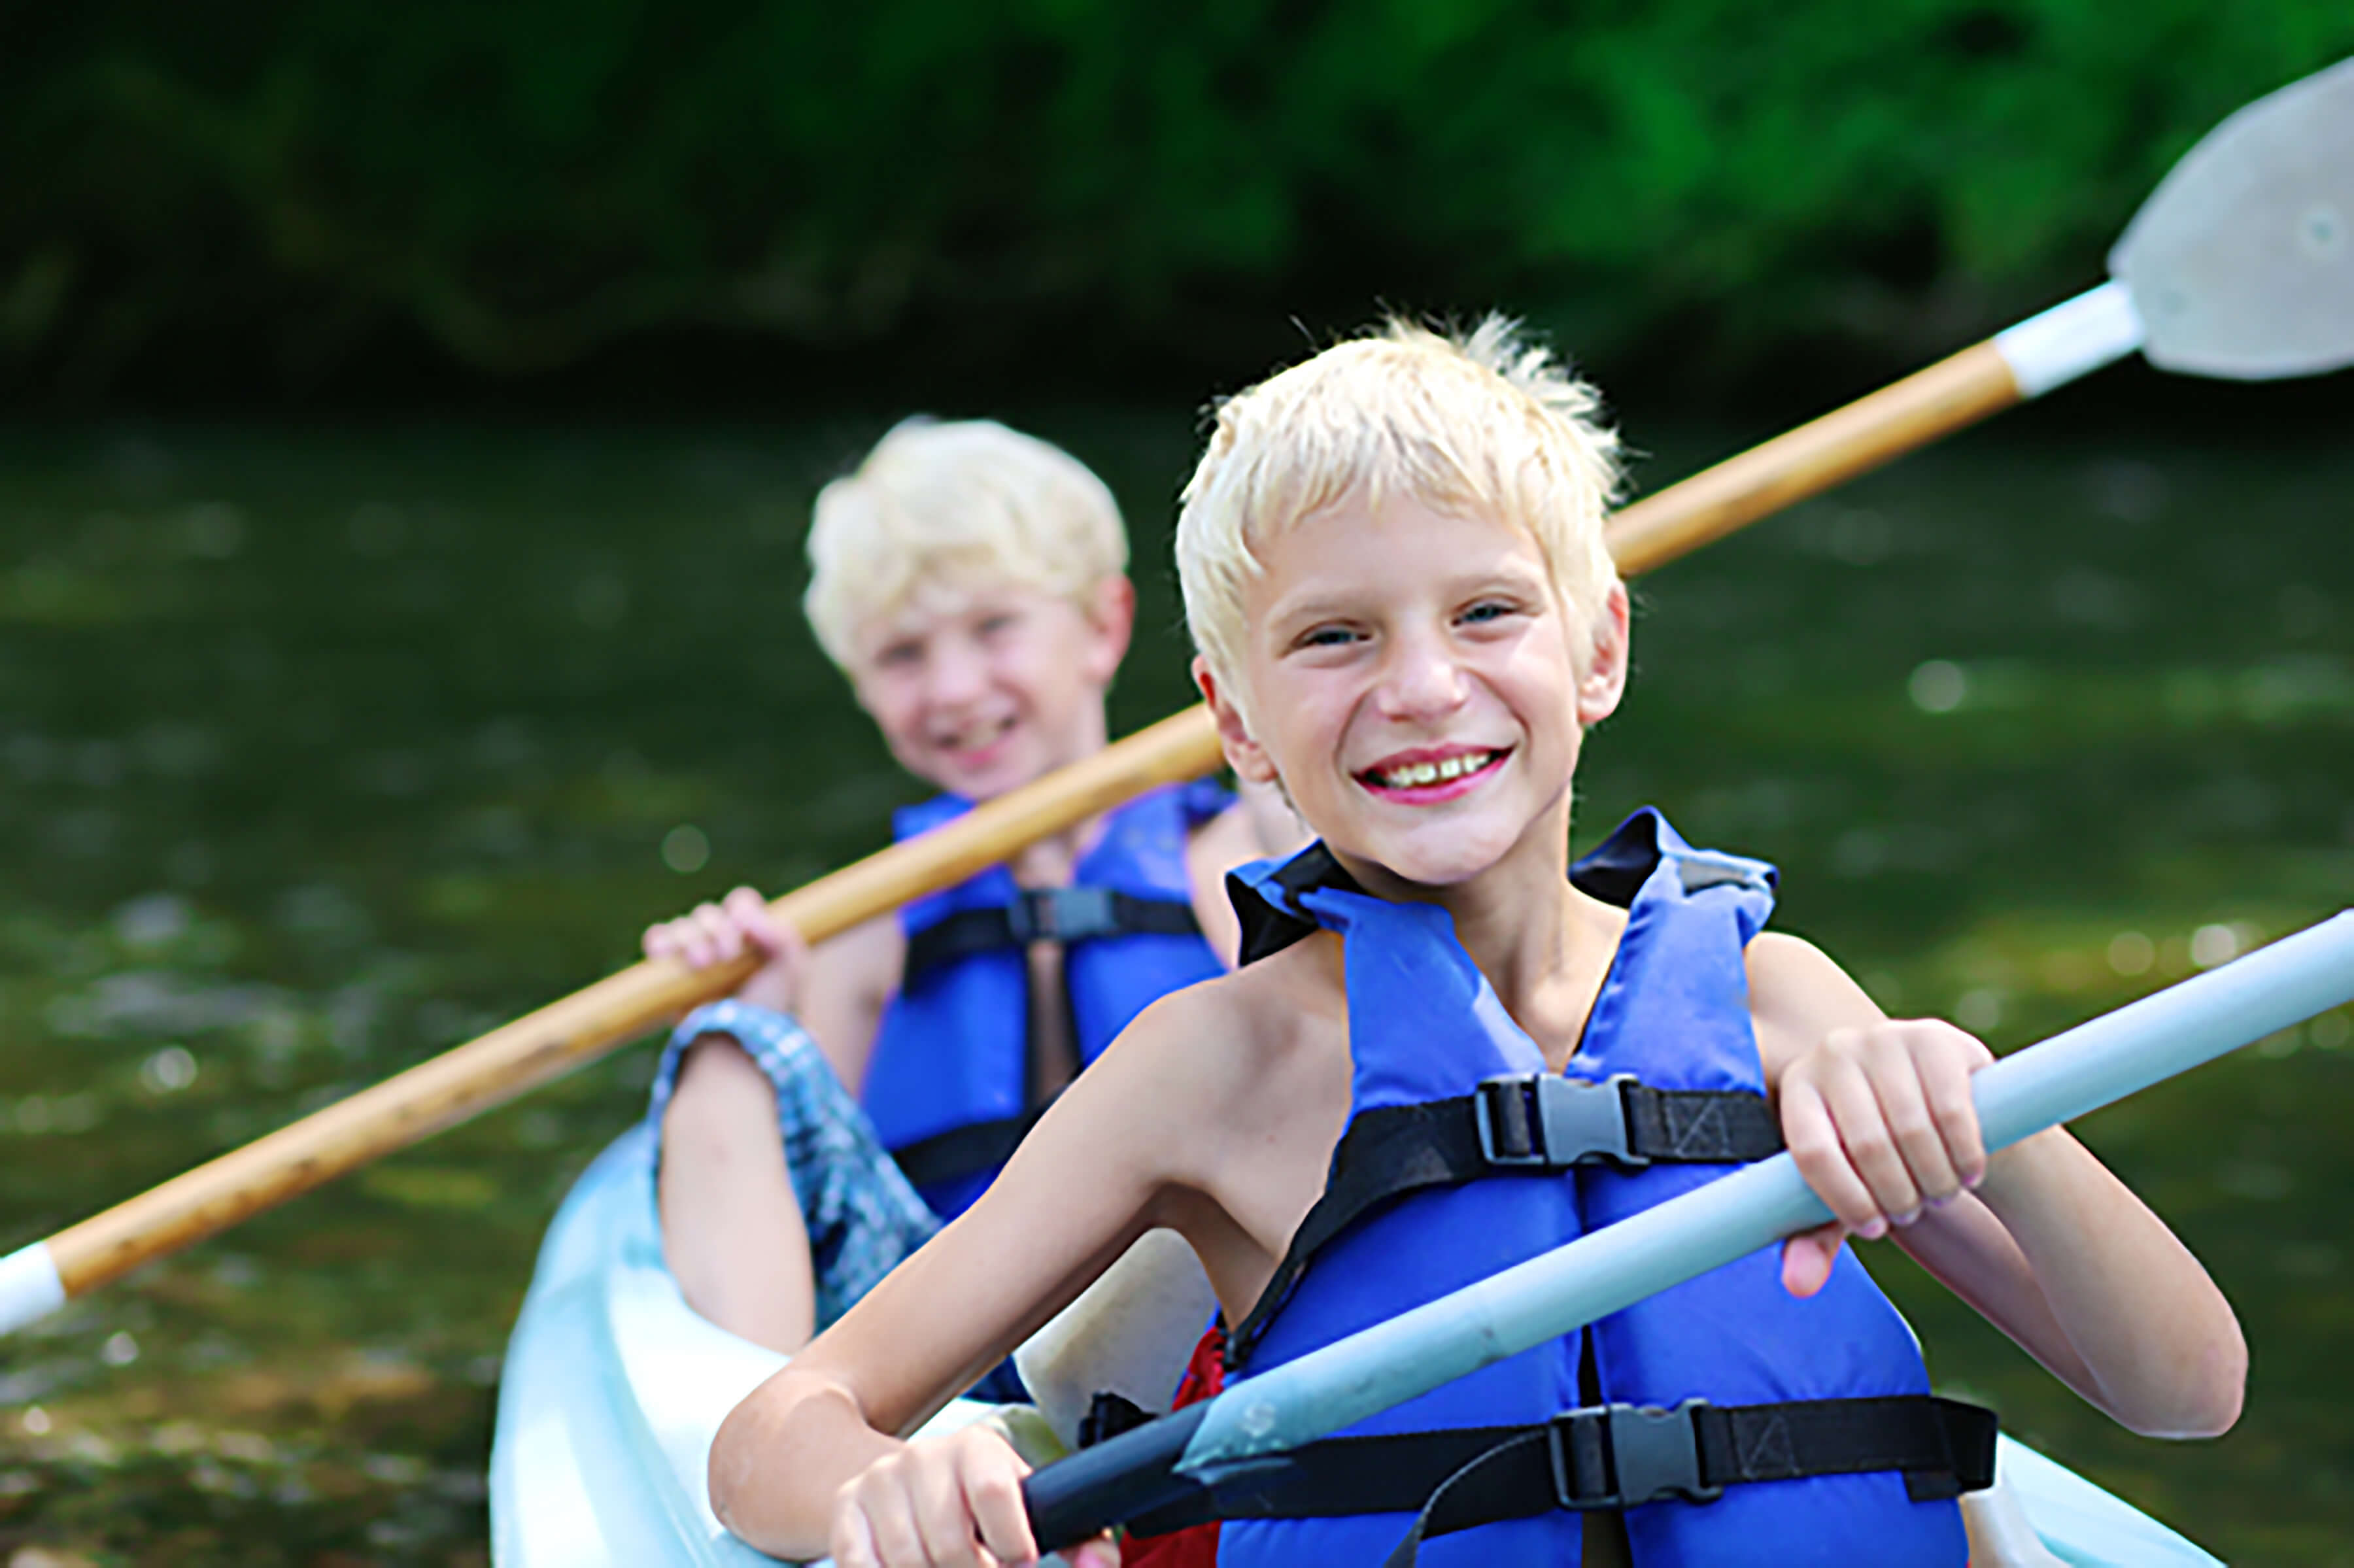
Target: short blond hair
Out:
[1482,420]
[955,504]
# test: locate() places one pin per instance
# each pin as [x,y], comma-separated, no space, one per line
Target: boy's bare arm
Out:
[851,979]
[1089,1180]
[2048,1246]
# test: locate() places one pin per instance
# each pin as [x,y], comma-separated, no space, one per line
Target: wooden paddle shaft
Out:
[1956,391]
[552,1041]
[505,1064]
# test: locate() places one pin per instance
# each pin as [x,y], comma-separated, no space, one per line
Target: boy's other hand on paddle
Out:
[1880,1122]
[715,933]
[945,1502]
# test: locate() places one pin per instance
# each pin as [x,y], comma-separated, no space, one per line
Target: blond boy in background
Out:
[971,582]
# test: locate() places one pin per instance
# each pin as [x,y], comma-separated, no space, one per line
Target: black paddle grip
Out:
[1122,1478]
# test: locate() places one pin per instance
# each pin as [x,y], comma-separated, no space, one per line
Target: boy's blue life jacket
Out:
[1806,1425]
[949,1081]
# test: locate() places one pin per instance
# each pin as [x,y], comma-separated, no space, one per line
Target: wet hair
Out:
[956,505]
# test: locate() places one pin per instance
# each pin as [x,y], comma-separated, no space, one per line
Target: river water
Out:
[320,753]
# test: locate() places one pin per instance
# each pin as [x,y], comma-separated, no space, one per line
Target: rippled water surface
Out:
[319,754]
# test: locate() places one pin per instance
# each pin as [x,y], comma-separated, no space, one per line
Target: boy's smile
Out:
[982,691]
[1428,775]
[1417,684]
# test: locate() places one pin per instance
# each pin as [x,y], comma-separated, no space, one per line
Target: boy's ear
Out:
[1604,680]
[1110,611]
[1244,756]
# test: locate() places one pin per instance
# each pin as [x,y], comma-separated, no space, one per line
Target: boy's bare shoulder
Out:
[1228,1043]
[1251,1010]
[1298,988]
[1240,1072]
[1798,994]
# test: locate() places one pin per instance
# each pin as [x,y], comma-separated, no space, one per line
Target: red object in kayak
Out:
[1197,1546]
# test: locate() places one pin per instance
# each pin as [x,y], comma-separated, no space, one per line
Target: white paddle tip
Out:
[2074,338]
[29,1287]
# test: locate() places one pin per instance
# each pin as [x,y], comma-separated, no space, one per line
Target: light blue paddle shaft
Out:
[2064,1077]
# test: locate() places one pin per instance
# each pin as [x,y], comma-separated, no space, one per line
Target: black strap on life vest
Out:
[1064,915]
[1515,1124]
[1266,927]
[1604,1457]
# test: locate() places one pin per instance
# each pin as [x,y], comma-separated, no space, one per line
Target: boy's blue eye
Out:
[994,625]
[1327,637]
[1486,609]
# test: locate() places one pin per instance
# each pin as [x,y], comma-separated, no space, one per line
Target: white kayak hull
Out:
[611,1391]
[613,1387]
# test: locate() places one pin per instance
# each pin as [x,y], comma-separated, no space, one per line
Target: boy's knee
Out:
[718,1058]
[719,1088]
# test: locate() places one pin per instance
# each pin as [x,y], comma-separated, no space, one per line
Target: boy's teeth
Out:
[1415,774]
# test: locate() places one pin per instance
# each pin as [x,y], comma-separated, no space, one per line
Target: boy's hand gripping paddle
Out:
[1177,1458]
[2241,265]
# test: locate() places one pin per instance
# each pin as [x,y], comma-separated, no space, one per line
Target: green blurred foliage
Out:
[526,182]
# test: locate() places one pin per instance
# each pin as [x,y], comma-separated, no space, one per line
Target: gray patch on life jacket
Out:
[1703,870]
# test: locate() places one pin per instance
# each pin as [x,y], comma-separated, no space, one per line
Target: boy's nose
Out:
[955,675]
[1423,678]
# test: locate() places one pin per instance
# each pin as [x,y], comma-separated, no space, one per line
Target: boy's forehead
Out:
[1329,544]
[936,602]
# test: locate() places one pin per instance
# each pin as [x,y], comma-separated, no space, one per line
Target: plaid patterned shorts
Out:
[864,1218]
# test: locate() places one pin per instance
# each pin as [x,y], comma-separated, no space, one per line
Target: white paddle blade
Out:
[2242,262]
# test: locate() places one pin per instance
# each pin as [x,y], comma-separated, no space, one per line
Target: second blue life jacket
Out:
[1465,1155]
[948,1081]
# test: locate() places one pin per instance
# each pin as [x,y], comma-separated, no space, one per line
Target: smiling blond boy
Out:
[1392,564]
[971,582]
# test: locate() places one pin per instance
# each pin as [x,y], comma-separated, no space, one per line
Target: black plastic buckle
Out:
[1060,915]
[1574,1122]
[1651,1454]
